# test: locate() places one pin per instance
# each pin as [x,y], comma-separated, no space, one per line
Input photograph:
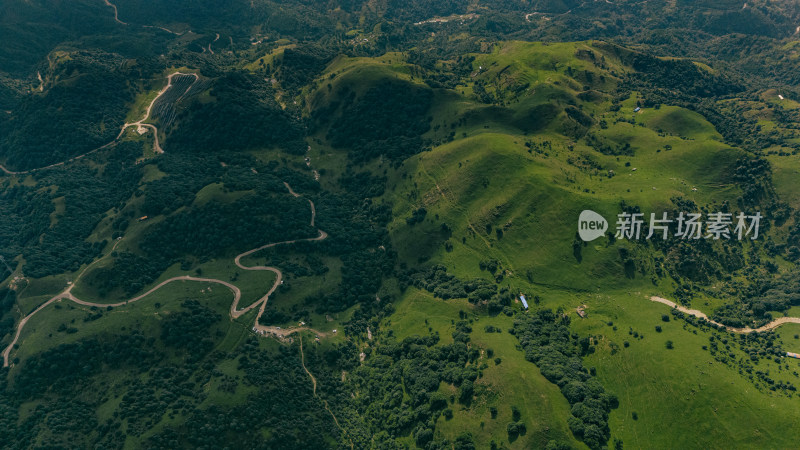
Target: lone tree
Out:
[513,429]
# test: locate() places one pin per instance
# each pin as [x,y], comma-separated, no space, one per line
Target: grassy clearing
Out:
[419,314]
[660,384]
[215,193]
[785,171]
[139,108]
[787,333]
[42,331]
[40,290]
[514,381]
[291,297]
[268,58]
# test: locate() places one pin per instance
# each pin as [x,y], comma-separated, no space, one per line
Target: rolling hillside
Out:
[355,224]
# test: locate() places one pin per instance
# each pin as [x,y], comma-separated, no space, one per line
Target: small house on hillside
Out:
[524,302]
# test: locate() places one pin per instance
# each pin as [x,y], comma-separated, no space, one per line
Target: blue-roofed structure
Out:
[524,302]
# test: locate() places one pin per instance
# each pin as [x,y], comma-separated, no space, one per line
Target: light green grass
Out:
[723,409]
[41,333]
[215,193]
[515,381]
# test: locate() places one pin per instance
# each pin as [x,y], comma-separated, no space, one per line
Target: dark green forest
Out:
[159,377]
[82,112]
[243,116]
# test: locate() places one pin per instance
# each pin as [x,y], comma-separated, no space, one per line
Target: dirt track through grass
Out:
[235,313]
[699,314]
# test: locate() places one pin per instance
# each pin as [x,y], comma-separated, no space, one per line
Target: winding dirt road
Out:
[116,13]
[140,123]
[167,30]
[693,312]
[23,172]
[116,18]
[237,293]
[215,40]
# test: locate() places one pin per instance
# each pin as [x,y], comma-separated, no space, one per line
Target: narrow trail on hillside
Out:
[237,293]
[215,40]
[116,18]
[314,383]
[454,203]
[116,13]
[138,124]
[303,362]
[167,30]
[24,172]
[699,314]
